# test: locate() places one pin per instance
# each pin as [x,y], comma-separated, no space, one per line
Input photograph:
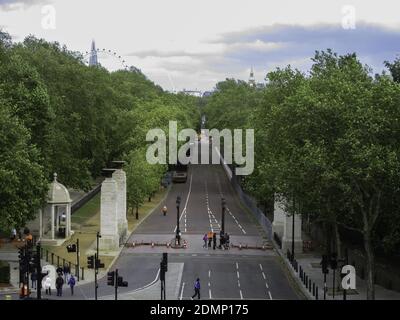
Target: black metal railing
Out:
[45,254]
[304,277]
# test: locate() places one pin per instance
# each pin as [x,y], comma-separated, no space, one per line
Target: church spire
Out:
[93,55]
[252,80]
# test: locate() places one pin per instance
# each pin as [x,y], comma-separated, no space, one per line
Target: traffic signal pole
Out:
[95,276]
[116,284]
[38,272]
[96,264]
[27,259]
[77,258]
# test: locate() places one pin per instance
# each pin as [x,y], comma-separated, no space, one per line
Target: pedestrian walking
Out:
[47,285]
[164,210]
[59,285]
[60,270]
[196,289]
[214,240]
[33,279]
[205,240]
[71,283]
[67,272]
[209,236]
[227,241]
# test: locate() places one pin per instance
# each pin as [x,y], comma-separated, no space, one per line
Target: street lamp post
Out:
[294,211]
[178,202]
[96,258]
[223,202]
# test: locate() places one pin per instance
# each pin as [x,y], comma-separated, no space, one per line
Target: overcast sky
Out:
[193,44]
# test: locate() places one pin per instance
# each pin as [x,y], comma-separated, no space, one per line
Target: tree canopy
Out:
[69,118]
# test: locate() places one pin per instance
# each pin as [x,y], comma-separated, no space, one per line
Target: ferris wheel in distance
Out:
[105,57]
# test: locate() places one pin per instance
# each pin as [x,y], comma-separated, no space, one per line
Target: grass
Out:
[86,212]
[86,223]
[144,210]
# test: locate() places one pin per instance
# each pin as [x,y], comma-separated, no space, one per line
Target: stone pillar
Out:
[40,223]
[68,218]
[120,178]
[287,234]
[108,215]
[279,218]
[52,221]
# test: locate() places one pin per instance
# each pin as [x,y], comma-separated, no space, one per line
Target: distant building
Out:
[207,94]
[252,80]
[93,61]
[194,93]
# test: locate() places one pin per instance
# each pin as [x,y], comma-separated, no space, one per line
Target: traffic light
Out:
[21,253]
[111,278]
[324,264]
[163,268]
[90,262]
[33,262]
[333,261]
[121,282]
[71,248]
[165,261]
[99,264]
[22,260]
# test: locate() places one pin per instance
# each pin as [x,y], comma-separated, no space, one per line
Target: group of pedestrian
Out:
[210,238]
[63,276]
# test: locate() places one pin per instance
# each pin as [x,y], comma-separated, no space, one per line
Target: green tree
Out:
[23,185]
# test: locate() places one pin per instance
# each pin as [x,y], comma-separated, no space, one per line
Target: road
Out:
[224,274]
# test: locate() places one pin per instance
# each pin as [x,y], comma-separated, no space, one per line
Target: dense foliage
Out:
[327,142]
[59,115]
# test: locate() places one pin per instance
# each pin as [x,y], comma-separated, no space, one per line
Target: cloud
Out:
[9,5]
[296,42]
[266,48]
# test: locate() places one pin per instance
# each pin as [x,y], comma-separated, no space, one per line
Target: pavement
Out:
[310,263]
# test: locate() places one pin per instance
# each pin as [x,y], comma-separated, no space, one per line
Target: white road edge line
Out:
[241,295]
[261,267]
[183,287]
[269,292]
[209,292]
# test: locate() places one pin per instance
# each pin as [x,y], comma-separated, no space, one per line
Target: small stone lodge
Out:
[53,223]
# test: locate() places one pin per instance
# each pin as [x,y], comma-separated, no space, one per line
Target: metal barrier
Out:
[304,278]
[45,252]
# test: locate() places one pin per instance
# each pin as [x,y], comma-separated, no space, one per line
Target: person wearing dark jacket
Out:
[196,288]
[71,283]
[59,285]
[33,279]
[214,240]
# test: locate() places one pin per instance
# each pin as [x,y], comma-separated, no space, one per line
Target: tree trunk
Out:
[339,255]
[370,265]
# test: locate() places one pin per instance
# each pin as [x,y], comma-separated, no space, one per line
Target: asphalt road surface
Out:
[224,274]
